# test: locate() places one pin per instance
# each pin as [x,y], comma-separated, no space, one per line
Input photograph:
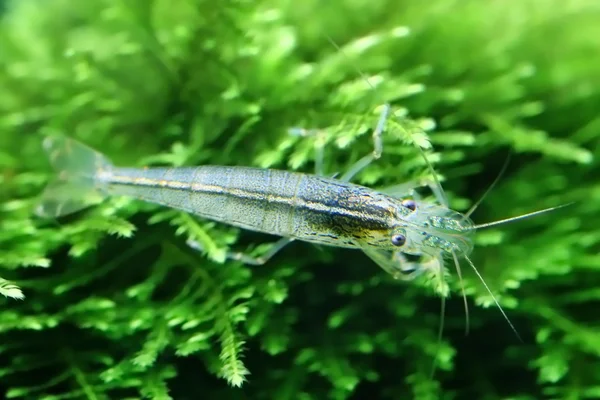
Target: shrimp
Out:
[386,225]
[296,206]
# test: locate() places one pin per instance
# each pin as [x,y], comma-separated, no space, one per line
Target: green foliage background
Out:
[117,306]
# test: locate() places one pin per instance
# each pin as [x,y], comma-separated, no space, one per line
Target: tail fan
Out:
[76,186]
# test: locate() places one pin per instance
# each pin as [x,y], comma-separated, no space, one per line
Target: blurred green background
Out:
[118,307]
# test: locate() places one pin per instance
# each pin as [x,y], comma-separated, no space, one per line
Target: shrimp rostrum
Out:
[293,205]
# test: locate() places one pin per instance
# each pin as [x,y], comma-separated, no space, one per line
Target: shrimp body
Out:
[300,206]
[293,205]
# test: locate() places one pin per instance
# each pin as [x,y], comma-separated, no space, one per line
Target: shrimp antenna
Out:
[358,70]
[520,217]
[512,327]
[462,290]
[442,194]
[442,320]
[443,308]
[489,189]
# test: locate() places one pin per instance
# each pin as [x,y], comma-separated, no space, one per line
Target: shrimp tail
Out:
[77,185]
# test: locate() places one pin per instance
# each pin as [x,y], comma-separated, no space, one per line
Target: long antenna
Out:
[493,298]
[489,189]
[441,327]
[519,217]
[464,294]
[358,70]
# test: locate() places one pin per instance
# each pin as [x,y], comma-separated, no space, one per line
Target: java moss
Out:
[118,306]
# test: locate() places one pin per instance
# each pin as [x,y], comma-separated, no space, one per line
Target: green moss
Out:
[118,306]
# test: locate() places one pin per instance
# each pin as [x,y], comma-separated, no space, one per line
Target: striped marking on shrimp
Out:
[331,208]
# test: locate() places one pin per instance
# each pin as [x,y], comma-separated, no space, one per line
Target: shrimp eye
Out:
[410,204]
[398,239]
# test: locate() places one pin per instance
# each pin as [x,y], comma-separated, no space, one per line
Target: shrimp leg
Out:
[245,258]
[360,164]
[319,151]
[396,264]
[377,147]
